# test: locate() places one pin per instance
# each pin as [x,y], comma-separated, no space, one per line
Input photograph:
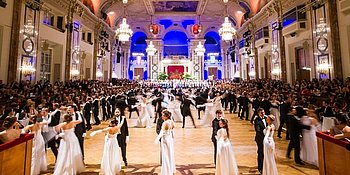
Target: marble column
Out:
[14,45]
[335,39]
[197,61]
[71,10]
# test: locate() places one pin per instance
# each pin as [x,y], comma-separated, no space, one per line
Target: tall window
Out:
[49,19]
[45,68]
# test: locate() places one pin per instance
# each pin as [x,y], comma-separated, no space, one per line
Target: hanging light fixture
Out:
[227,31]
[124,32]
[200,50]
[151,50]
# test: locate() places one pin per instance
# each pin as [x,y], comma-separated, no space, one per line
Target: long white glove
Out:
[156,141]
[127,139]
[93,133]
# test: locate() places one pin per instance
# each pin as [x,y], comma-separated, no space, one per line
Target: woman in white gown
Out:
[275,110]
[270,167]
[150,107]
[69,159]
[250,107]
[309,152]
[167,145]
[111,162]
[174,108]
[218,104]
[144,120]
[38,150]
[225,158]
[209,114]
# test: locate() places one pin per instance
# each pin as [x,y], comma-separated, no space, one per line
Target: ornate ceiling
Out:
[139,12]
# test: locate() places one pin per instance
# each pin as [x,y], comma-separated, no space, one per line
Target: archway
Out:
[212,59]
[138,58]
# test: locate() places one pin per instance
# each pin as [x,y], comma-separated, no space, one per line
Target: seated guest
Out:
[344,133]
[11,130]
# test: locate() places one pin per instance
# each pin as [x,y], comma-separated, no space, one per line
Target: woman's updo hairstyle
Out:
[68,118]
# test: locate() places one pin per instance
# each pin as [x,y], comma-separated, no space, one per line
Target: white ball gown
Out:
[167,148]
[225,158]
[174,108]
[111,163]
[38,154]
[274,110]
[144,120]
[209,114]
[269,167]
[309,152]
[69,159]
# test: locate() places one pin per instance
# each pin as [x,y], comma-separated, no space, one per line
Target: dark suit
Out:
[259,127]
[295,128]
[96,111]
[131,102]
[79,130]
[104,108]
[186,111]
[87,114]
[328,112]
[284,107]
[55,120]
[266,105]
[158,106]
[215,125]
[233,102]
[124,132]
[200,101]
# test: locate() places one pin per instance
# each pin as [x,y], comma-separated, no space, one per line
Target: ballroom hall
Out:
[185,87]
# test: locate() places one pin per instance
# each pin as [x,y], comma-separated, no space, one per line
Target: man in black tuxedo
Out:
[295,128]
[87,111]
[123,136]
[215,125]
[131,104]
[158,105]
[200,101]
[80,129]
[55,117]
[96,111]
[266,105]
[259,126]
[284,107]
[233,101]
[185,110]
[256,105]
[104,108]
[245,109]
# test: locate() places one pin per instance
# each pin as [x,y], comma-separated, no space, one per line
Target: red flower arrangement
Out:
[175,75]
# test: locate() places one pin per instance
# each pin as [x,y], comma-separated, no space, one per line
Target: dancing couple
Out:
[223,150]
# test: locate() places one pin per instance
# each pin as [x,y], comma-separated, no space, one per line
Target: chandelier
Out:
[321,29]
[74,72]
[200,50]
[27,69]
[124,32]
[227,31]
[151,50]
[99,74]
[276,71]
[323,68]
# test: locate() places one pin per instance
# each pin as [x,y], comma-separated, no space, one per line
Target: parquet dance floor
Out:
[193,150]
